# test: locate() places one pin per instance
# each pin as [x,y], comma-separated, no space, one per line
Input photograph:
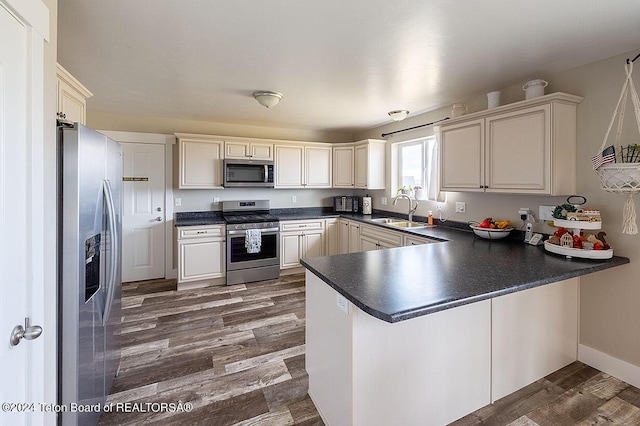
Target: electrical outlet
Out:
[216,200]
[439,208]
[383,201]
[294,199]
[461,207]
[342,303]
[546,212]
[178,202]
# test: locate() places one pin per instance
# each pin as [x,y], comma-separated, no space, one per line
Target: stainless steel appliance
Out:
[247,219]
[248,173]
[89,271]
[346,204]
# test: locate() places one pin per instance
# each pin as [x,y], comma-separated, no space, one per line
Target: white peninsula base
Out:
[436,368]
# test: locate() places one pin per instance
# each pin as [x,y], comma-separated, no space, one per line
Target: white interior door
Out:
[21,193]
[143,217]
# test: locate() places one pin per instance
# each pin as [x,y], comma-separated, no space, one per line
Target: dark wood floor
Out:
[236,354]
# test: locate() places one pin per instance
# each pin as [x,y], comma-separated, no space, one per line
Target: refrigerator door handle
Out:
[111,211]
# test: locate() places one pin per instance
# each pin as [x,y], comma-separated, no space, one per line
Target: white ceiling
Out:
[341,64]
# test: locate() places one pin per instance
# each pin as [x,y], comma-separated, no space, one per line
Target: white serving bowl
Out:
[491,234]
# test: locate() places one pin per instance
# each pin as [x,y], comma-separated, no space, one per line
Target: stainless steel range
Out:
[253,241]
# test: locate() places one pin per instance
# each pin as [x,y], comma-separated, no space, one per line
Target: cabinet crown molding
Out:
[66,76]
[540,100]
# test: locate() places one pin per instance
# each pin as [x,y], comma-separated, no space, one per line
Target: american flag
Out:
[608,155]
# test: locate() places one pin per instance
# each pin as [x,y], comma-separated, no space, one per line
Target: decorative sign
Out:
[135,179]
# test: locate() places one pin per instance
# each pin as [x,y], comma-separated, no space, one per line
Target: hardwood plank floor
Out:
[236,353]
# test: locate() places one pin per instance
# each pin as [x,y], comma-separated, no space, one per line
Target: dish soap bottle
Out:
[430,217]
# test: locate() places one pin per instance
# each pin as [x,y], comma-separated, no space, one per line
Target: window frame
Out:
[397,164]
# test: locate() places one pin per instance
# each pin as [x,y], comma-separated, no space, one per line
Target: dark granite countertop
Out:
[215,217]
[199,218]
[406,282]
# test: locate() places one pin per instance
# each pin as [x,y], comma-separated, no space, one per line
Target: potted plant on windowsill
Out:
[405,189]
[417,192]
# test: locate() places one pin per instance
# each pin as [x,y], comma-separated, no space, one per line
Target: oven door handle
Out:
[263,231]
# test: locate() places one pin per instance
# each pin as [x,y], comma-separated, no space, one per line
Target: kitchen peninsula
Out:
[427,334]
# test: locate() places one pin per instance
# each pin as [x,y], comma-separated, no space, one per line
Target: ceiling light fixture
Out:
[399,115]
[267,98]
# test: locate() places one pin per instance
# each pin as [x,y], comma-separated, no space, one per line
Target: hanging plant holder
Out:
[621,174]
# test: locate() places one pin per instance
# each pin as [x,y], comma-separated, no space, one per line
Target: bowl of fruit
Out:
[491,229]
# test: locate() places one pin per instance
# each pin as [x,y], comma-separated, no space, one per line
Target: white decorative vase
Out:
[458,110]
[493,99]
[418,194]
[534,88]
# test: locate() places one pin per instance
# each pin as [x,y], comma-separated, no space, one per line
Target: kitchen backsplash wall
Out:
[202,200]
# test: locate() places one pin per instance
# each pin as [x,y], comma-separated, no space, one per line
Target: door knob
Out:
[27,332]
[158,219]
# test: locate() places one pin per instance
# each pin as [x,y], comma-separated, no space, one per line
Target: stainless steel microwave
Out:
[248,173]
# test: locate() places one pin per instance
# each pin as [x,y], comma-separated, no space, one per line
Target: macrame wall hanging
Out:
[620,173]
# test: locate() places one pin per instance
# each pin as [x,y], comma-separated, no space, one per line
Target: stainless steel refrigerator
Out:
[89,269]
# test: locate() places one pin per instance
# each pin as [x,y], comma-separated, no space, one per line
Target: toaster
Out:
[349,204]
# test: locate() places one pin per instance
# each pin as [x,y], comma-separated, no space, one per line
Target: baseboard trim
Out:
[606,363]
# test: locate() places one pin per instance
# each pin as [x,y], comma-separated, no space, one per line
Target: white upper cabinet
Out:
[248,150]
[303,166]
[72,97]
[289,166]
[527,147]
[200,162]
[317,166]
[461,160]
[343,166]
[369,164]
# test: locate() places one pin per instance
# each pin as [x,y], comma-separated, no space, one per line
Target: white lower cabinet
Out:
[300,239]
[376,238]
[348,236]
[364,371]
[201,253]
[412,240]
[331,238]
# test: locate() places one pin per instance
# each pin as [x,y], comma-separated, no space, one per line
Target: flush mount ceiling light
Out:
[267,98]
[399,115]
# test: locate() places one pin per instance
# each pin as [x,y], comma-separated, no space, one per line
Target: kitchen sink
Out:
[399,223]
[387,220]
[407,224]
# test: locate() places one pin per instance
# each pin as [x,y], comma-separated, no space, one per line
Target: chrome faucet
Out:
[412,208]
